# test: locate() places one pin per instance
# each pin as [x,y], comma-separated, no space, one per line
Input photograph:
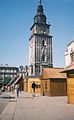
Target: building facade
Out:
[10,74]
[40,43]
[69,53]
[53,82]
[7,73]
[69,70]
[37,82]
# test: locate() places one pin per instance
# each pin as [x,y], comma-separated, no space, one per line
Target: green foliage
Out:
[6,80]
[1,82]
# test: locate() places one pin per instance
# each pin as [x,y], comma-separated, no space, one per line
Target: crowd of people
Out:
[16,89]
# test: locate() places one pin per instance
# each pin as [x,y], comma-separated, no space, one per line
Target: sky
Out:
[16,19]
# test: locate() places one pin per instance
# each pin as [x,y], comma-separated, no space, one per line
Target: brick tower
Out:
[40,43]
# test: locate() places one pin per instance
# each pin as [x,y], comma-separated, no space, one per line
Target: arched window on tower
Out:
[43,57]
[43,43]
[44,50]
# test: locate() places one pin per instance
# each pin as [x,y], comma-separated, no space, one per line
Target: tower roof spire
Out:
[40,1]
[40,17]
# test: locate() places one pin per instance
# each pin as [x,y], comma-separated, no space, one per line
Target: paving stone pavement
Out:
[39,108]
[8,112]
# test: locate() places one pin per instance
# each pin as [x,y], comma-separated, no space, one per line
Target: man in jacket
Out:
[33,88]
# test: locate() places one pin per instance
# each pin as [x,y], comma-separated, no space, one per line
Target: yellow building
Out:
[25,84]
[37,82]
[53,83]
[69,70]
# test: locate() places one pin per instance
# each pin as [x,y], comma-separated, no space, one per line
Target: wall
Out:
[69,50]
[21,84]
[37,81]
[43,87]
[55,87]
[58,87]
[70,88]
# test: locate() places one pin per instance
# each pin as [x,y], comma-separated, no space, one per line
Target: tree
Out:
[6,80]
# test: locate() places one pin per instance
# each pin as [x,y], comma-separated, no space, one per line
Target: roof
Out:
[69,68]
[15,80]
[7,66]
[70,42]
[35,76]
[52,73]
[18,79]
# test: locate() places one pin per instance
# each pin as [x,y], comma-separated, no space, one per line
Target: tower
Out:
[40,43]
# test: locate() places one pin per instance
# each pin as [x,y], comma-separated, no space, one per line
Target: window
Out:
[72,56]
[36,69]
[38,86]
[39,19]
[31,69]
[45,84]
[43,57]
[43,43]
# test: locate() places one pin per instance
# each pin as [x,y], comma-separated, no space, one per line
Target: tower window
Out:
[43,57]
[36,69]
[39,19]
[43,43]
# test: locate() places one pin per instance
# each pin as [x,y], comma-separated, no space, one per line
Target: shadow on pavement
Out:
[8,97]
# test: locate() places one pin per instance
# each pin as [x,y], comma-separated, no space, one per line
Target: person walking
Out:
[33,89]
[18,91]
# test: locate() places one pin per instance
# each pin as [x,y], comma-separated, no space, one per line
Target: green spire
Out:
[40,17]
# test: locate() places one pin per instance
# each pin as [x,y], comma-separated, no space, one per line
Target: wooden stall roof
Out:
[18,79]
[52,73]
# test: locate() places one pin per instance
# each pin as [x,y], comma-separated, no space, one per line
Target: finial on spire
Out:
[40,1]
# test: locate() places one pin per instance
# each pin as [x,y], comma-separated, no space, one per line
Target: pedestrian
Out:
[33,89]
[12,89]
[18,91]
